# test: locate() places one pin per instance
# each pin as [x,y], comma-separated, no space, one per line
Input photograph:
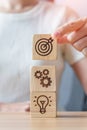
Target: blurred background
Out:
[73,98]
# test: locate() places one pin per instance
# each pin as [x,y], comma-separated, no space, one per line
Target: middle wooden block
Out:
[43,78]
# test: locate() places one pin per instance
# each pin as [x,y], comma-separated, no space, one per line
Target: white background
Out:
[79,5]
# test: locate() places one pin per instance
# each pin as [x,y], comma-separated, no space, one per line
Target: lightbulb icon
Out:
[42,101]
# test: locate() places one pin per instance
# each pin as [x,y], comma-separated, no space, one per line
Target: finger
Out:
[81,44]
[27,109]
[70,27]
[84,51]
[77,35]
[74,36]
[63,40]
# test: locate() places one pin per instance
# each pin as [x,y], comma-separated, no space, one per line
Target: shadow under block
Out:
[43,104]
[43,78]
[44,47]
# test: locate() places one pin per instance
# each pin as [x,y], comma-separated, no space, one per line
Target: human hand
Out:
[15,107]
[74,33]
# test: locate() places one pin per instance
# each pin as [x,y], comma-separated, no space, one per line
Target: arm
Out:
[75,33]
[14,107]
[80,69]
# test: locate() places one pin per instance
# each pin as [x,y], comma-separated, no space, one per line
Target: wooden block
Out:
[43,104]
[43,78]
[44,47]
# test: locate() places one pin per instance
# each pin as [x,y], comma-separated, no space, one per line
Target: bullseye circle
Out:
[43,47]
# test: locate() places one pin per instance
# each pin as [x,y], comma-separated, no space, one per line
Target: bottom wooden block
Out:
[43,104]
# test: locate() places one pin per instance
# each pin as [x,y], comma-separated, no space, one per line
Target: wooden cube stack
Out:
[43,78]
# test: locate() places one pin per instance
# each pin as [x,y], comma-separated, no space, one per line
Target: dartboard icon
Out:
[44,46]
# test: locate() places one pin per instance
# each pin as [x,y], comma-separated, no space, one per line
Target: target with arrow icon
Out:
[44,47]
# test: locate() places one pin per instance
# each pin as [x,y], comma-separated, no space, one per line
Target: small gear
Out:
[45,71]
[46,81]
[38,74]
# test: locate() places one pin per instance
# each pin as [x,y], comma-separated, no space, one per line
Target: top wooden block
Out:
[44,47]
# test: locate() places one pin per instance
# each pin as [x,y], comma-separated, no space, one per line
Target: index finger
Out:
[70,27]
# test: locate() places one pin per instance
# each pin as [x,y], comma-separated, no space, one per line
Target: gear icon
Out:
[46,81]
[45,71]
[38,74]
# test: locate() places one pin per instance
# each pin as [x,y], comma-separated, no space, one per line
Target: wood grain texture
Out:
[43,104]
[43,78]
[44,47]
[64,121]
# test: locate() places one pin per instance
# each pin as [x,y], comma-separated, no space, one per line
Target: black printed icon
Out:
[45,80]
[42,102]
[44,46]
[38,74]
[45,71]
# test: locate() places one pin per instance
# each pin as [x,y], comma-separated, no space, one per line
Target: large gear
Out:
[46,81]
[38,74]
